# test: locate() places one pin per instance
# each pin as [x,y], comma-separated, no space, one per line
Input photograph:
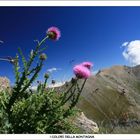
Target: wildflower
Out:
[53,82]
[87,65]
[43,56]
[81,71]
[54,33]
[46,76]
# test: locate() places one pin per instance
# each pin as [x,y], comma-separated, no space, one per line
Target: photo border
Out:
[68,3]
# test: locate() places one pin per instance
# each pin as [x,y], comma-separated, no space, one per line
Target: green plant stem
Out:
[17,90]
[35,52]
[44,85]
[33,77]
[65,115]
[64,100]
[16,94]
[76,100]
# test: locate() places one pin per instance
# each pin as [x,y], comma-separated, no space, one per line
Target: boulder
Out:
[4,84]
[86,125]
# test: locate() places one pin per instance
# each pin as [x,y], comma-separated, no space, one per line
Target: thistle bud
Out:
[13,61]
[46,76]
[54,33]
[53,82]
[43,56]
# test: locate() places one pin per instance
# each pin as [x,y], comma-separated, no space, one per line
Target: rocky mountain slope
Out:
[112,99]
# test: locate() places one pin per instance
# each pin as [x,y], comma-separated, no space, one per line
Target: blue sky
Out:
[88,34]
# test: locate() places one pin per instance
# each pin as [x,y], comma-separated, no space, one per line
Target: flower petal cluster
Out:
[89,65]
[54,33]
[82,71]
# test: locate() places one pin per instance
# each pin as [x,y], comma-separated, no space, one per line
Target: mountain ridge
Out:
[112,94]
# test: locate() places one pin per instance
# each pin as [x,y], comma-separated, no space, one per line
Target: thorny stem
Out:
[30,63]
[65,94]
[23,78]
[72,105]
[44,85]
[4,59]
[35,52]
[33,77]
[64,100]
[76,100]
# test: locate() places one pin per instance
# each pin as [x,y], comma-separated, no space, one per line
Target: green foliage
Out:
[44,110]
[4,123]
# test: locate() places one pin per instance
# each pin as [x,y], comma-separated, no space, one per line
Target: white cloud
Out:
[53,69]
[58,84]
[132,52]
[125,44]
[1,41]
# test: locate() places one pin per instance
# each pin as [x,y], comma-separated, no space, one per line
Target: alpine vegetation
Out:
[44,110]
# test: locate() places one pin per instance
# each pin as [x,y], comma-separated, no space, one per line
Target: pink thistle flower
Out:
[54,33]
[81,72]
[87,65]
